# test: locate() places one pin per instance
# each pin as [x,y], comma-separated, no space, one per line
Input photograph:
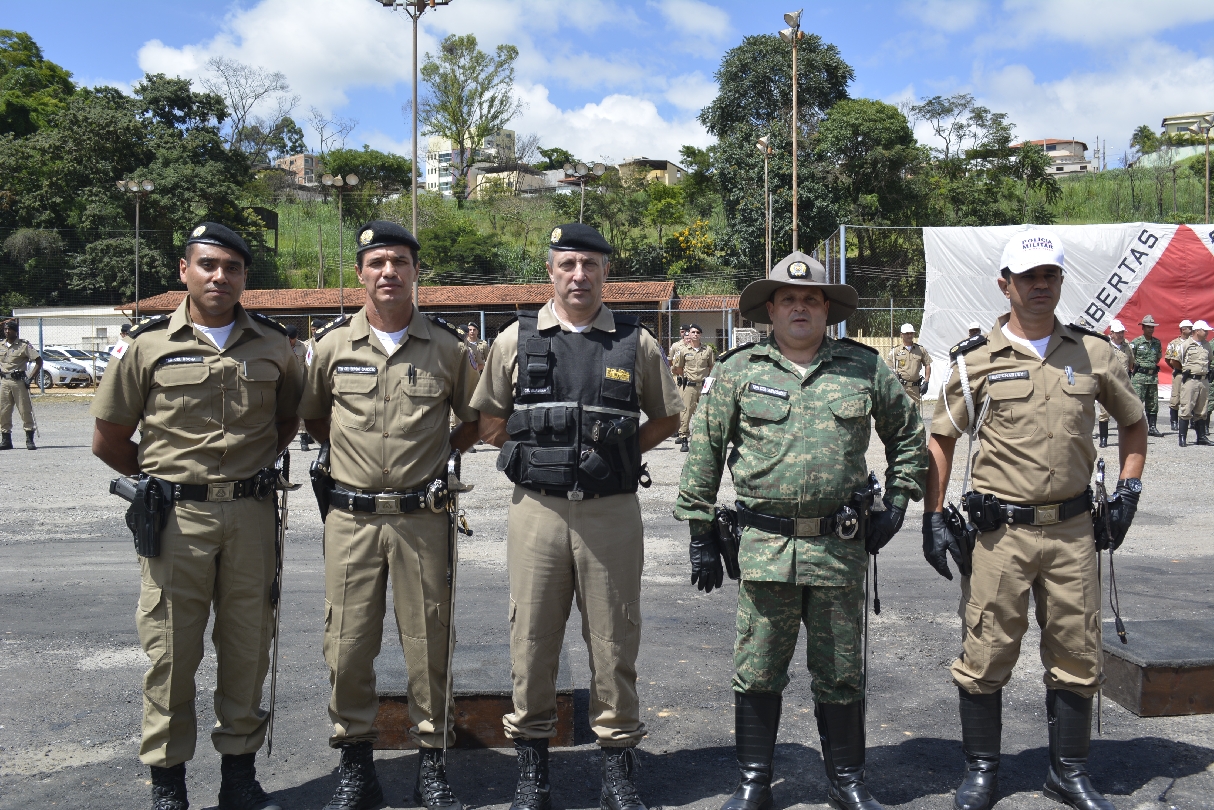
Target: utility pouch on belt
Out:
[322,480]
[984,510]
[150,500]
[730,535]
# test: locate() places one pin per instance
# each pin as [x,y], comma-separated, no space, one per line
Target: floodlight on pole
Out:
[764,146]
[792,34]
[336,181]
[140,188]
[582,172]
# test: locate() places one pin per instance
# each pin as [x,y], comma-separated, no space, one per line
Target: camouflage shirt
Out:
[798,448]
[1147,354]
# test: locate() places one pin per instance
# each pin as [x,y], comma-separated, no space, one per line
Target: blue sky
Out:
[609,80]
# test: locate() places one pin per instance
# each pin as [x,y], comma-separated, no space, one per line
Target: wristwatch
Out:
[1131,484]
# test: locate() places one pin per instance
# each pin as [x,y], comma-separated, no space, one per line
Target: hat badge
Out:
[199,231]
[366,236]
[556,235]
[798,270]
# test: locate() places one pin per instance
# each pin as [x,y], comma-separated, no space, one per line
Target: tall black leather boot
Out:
[841,728]
[1183,430]
[29,440]
[168,787]
[756,723]
[1151,429]
[1070,724]
[1174,413]
[432,790]
[6,441]
[619,783]
[981,730]
[1203,436]
[238,786]
[533,791]
[1104,434]
[358,786]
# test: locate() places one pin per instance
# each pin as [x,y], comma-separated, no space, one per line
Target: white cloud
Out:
[695,19]
[1105,23]
[691,91]
[947,15]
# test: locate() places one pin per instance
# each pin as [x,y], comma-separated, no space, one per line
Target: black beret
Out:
[576,236]
[381,233]
[212,233]
[695,326]
[292,330]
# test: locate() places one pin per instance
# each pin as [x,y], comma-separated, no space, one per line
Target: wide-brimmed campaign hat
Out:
[799,270]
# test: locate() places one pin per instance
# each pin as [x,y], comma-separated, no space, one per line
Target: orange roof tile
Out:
[693,303]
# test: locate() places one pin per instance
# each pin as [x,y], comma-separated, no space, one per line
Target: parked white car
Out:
[59,372]
[91,362]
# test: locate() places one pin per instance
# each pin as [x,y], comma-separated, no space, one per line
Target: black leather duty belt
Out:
[1187,376]
[216,493]
[1046,514]
[378,503]
[789,527]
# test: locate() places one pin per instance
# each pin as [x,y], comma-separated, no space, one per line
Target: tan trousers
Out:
[211,553]
[691,397]
[1058,564]
[15,392]
[557,549]
[1194,397]
[912,390]
[362,553]
[1174,401]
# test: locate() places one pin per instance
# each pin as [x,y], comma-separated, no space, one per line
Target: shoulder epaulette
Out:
[726,355]
[1087,331]
[866,347]
[450,327]
[502,328]
[966,346]
[268,321]
[150,323]
[340,320]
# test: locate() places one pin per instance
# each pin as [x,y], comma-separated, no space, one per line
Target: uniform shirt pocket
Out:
[1011,412]
[1079,416]
[354,400]
[851,407]
[421,401]
[763,422]
[183,398]
[258,384]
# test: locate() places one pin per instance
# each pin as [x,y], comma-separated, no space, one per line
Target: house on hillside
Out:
[304,166]
[1067,156]
[662,171]
[443,165]
[1179,124]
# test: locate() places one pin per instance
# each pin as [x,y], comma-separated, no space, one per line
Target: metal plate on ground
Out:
[1165,669]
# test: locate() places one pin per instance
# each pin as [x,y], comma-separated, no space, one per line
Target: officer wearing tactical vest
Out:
[15,355]
[562,394]
[1125,356]
[1147,351]
[1025,393]
[1194,360]
[380,388]
[798,410]
[216,388]
[1171,356]
[908,361]
[691,363]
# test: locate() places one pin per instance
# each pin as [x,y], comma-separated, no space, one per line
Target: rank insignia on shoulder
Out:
[767,391]
[450,327]
[619,374]
[331,325]
[268,321]
[967,345]
[1086,331]
[150,323]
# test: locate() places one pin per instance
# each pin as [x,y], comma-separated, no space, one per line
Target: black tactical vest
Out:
[576,413]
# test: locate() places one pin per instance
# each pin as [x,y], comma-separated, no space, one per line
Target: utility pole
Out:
[792,34]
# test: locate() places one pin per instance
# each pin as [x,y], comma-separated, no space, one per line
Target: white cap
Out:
[1186,322]
[906,327]
[1031,248]
[1116,326]
[974,325]
[1202,325]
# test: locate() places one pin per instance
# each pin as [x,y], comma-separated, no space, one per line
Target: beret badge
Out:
[366,236]
[556,235]
[199,231]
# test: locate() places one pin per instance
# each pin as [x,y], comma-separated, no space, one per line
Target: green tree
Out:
[105,271]
[1034,169]
[454,251]
[554,158]
[1145,140]
[700,189]
[379,174]
[665,206]
[32,88]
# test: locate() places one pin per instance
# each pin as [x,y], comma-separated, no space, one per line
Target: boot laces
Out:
[527,792]
[436,791]
[620,768]
[353,777]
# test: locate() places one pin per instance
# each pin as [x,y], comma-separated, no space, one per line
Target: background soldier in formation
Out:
[797,409]
[691,362]
[216,388]
[478,350]
[562,395]
[380,388]
[1194,361]
[974,328]
[1171,356]
[1033,383]
[1123,354]
[909,361]
[1147,351]
[15,355]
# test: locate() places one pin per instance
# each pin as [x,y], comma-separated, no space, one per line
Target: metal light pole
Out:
[582,172]
[763,146]
[140,188]
[792,34]
[1202,127]
[337,182]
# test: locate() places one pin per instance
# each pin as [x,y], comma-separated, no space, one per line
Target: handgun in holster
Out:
[725,520]
[964,532]
[322,480]
[854,516]
[150,499]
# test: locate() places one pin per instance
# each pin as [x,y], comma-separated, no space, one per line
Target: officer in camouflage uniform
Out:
[1194,356]
[797,409]
[1171,356]
[15,354]
[1147,351]
[1124,356]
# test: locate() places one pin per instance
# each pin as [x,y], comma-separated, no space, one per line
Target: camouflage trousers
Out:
[770,615]
[1146,386]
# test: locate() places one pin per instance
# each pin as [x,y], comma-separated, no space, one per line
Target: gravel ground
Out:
[70,663]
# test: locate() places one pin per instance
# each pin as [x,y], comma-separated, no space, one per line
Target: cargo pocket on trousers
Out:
[151,623]
[977,650]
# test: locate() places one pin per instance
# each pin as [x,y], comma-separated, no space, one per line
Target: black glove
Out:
[882,526]
[706,569]
[922,387]
[1122,508]
[937,538]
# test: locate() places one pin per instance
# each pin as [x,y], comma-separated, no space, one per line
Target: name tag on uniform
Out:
[1007,375]
[620,374]
[356,370]
[771,392]
[181,360]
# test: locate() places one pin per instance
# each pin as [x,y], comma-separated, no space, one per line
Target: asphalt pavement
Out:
[70,663]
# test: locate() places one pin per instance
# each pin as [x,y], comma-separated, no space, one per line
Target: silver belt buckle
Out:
[219,493]
[1045,515]
[575,494]
[387,504]
[808,527]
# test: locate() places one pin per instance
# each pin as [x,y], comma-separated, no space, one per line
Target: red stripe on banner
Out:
[1179,286]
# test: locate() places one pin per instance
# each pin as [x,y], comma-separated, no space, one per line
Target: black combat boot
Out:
[1203,435]
[358,787]
[1070,719]
[619,787]
[533,791]
[168,786]
[29,440]
[1182,432]
[1104,434]
[981,729]
[432,790]
[238,785]
[686,448]
[6,441]
[841,728]
[756,722]
[1175,414]
[1151,429]
[305,442]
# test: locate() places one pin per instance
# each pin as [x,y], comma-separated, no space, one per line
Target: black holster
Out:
[984,511]
[322,481]
[964,532]
[725,520]
[150,499]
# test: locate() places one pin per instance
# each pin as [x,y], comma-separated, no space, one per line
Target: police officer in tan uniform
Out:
[691,365]
[15,355]
[1032,384]
[380,388]
[1125,356]
[478,350]
[908,361]
[216,388]
[1194,360]
[1171,356]
[562,395]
